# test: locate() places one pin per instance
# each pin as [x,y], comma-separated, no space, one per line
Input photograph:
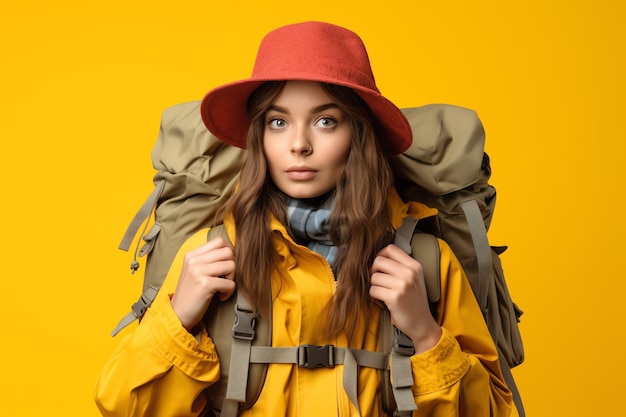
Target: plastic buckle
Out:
[245,320]
[402,343]
[140,307]
[312,356]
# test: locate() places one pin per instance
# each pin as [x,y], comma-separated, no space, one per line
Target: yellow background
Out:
[82,88]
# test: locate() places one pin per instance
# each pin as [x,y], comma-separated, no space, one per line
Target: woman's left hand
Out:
[398,281]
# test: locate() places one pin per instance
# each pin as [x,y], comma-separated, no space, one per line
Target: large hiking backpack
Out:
[445,167]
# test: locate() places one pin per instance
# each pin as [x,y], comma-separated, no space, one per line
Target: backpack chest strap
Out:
[312,356]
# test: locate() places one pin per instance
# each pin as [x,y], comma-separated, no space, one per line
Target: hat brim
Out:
[225,114]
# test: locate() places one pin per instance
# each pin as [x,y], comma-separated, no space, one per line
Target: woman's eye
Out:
[277,123]
[326,122]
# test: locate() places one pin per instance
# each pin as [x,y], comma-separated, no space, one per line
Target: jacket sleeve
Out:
[461,375]
[159,369]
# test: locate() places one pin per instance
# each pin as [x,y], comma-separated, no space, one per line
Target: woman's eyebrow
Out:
[278,109]
[316,109]
[324,107]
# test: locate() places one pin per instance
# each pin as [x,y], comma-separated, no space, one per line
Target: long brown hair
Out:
[360,223]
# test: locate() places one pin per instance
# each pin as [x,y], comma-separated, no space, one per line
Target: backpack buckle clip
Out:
[245,320]
[312,356]
[402,343]
[144,301]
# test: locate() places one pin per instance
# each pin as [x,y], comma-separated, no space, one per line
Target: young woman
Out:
[312,223]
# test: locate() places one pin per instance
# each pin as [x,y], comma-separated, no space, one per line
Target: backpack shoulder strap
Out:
[478,232]
[424,248]
[396,395]
[236,329]
[219,230]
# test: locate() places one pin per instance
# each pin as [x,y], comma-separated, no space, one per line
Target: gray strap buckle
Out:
[402,343]
[144,301]
[245,320]
[312,356]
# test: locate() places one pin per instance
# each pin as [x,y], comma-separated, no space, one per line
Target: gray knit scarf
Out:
[308,219]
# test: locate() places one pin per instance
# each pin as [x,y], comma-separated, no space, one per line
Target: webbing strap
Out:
[510,383]
[350,358]
[483,255]
[238,371]
[350,380]
[230,408]
[483,250]
[125,321]
[241,346]
[142,214]
[404,234]
[138,309]
[291,354]
[401,369]
[402,381]
[424,248]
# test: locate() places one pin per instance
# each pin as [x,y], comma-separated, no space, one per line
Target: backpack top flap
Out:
[432,160]
[190,158]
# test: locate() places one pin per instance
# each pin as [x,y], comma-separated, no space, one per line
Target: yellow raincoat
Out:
[161,369]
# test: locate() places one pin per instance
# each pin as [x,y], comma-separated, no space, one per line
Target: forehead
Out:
[302,93]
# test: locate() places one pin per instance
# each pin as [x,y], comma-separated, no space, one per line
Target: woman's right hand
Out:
[206,271]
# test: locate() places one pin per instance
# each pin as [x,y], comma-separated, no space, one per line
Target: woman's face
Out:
[306,140]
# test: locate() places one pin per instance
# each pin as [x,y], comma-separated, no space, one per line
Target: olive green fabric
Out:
[446,168]
[195,175]
[200,173]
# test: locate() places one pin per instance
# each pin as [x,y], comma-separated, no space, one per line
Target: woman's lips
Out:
[301,173]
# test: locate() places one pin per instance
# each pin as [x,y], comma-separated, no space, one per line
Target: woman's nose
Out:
[301,143]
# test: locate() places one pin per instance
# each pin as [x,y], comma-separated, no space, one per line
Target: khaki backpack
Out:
[445,167]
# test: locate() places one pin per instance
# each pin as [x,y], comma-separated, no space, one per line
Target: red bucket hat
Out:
[311,51]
